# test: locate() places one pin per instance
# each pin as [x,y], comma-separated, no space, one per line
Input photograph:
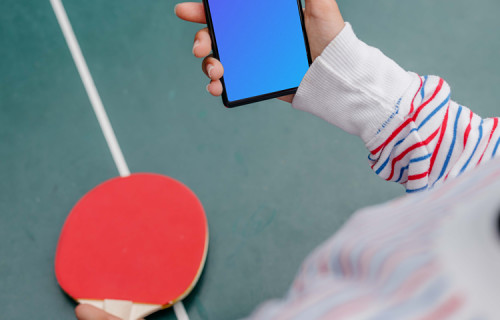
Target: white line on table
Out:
[98,107]
[90,87]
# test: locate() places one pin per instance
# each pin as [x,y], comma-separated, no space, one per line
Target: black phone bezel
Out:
[276,94]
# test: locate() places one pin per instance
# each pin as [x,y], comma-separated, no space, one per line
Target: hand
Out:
[88,312]
[322,19]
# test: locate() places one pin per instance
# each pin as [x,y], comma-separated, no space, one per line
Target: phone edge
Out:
[267,96]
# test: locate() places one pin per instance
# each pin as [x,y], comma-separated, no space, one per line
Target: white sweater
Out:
[430,255]
[416,134]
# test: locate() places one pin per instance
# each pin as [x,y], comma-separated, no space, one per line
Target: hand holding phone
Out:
[323,22]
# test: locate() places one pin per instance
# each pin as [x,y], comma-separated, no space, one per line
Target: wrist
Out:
[353,86]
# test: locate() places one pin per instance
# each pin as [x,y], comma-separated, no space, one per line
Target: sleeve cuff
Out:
[355,87]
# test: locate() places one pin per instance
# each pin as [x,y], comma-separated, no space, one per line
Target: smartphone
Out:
[262,45]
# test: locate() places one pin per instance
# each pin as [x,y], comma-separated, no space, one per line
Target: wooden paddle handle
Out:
[126,310]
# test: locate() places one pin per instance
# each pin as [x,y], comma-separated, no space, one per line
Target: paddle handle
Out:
[126,310]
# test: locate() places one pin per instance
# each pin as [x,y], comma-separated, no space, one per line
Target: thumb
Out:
[320,8]
[323,23]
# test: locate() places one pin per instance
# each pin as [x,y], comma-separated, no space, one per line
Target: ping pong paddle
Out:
[133,245]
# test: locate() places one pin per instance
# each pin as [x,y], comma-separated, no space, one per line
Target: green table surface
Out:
[275,182]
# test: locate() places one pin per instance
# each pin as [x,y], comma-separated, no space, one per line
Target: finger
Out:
[287,98]
[318,8]
[191,11]
[202,43]
[212,68]
[88,312]
[215,88]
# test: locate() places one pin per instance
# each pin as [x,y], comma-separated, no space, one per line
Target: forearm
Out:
[409,123]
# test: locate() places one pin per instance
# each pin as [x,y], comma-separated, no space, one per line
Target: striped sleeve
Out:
[436,140]
[416,134]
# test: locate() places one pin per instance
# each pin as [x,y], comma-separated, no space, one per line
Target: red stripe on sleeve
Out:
[413,147]
[467,131]
[413,101]
[417,176]
[446,309]
[443,131]
[495,124]
[402,126]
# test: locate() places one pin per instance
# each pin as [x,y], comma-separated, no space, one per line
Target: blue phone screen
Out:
[261,45]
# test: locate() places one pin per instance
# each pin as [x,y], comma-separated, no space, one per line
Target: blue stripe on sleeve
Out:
[416,190]
[412,161]
[421,158]
[496,148]
[475,148]
[401,172]
[448,156]
[383,165]
[422,91]
[432,114]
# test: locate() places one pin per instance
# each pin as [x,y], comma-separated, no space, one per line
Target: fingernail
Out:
[175,9]
[196,43]
[207,88]
[210,67]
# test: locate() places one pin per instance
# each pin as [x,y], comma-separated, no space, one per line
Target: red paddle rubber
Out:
[141,238]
